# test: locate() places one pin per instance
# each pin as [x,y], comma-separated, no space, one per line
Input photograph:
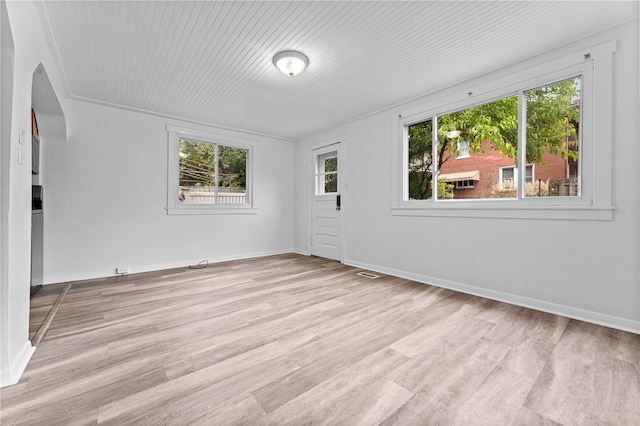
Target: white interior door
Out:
[325,235]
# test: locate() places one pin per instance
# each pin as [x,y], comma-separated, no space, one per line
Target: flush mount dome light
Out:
[290,62]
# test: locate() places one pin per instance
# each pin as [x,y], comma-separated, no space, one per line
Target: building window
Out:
[208,173]
[540,119]
[464,184]
[463,149]
[508,177]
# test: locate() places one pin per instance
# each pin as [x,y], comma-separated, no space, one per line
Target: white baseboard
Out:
[12,374]
[164,266]
[301,252]
[539,305]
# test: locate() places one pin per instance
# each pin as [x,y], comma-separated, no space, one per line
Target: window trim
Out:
[516,173]
[174,207]
[323,174]
[595,67]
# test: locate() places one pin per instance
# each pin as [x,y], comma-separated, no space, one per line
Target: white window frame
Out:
[595,67]
[516,174]
[320,174]
[223,138]
[460,154]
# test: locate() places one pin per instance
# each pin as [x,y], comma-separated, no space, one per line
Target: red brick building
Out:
[491,174]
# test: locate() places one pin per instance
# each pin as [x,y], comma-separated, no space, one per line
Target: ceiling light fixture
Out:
[290,62]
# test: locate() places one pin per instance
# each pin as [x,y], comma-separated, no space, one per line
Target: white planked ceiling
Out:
[210,61]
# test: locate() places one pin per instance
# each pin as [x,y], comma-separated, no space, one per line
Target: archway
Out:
[48,131]
[51,127]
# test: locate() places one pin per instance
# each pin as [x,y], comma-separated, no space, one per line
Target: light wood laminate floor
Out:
[41,303]
[292,340]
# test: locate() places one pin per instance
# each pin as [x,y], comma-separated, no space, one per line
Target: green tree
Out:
[552,117]
[197,165]
[232,167]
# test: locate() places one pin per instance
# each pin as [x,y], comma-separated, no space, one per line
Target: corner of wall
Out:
[11,374]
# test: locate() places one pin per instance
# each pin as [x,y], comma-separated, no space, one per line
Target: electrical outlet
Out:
[122,270]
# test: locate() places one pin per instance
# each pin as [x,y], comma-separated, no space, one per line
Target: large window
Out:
[208,173]
[487,136]
[534,143]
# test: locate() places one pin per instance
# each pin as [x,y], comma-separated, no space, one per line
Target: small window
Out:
[508,182]
[463,149]
[327,173]
[464,184]
[207,174]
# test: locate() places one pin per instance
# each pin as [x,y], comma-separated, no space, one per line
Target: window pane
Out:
[528,176]
[420,137]
[488,136]
[330,183]
[326,183]
[331,164]
[197,172]
[463,149]
[327,173]
[553,139]
[232,175]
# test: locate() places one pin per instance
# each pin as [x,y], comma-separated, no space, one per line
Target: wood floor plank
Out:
[587,389]
[290,339]
[365,396]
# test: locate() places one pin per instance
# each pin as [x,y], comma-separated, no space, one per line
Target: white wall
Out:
[94,219]
[582,269]
[6,100]
[30,50]
[106,194]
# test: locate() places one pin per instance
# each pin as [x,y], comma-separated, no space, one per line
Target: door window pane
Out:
[331,164]
[327,173]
